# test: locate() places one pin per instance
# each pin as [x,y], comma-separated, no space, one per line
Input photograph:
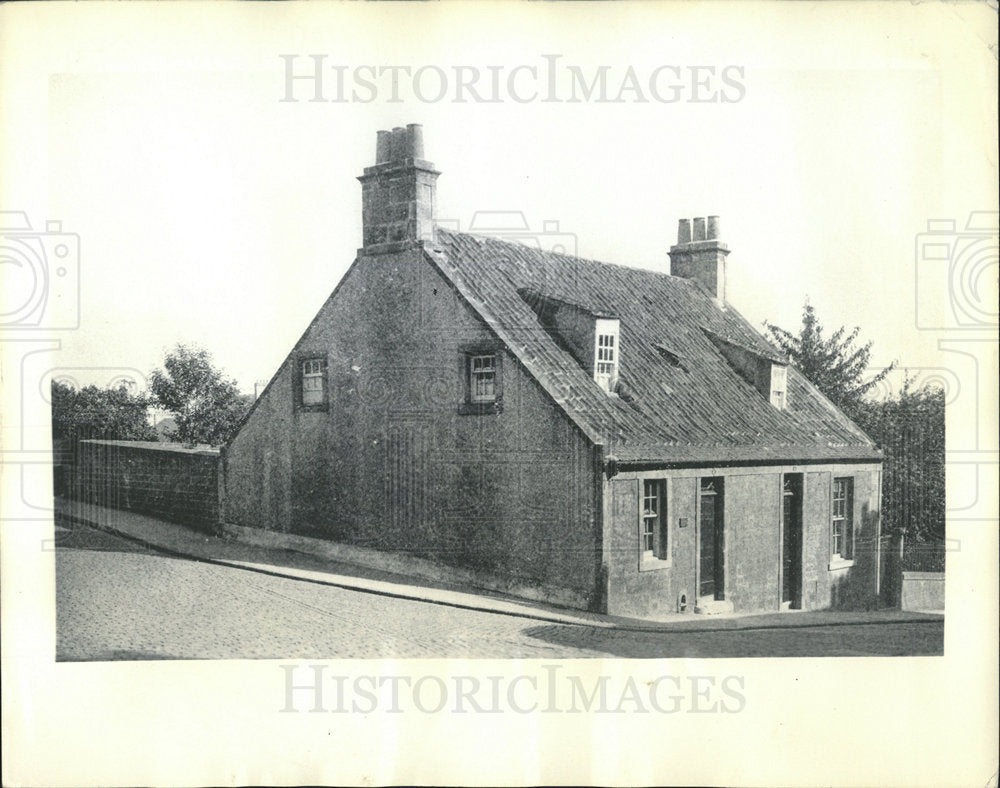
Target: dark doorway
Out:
[712,547]
[791,540]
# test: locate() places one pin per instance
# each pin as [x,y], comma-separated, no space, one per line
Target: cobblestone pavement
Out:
[118,600]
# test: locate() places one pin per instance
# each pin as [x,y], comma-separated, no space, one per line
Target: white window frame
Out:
[607,353]
[482,378]
[654,526]
[842,524]
[313,382]
[779,386]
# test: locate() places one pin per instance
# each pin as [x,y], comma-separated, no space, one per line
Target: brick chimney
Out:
[700,255]
[398,200]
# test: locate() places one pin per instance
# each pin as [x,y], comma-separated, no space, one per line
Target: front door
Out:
[712,544]
[791,541]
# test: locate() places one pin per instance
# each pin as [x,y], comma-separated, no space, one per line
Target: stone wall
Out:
[922,591]
[395,461]
[753,544]
[166,480]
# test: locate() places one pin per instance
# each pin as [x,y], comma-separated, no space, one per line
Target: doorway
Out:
[791,541]
[712,539]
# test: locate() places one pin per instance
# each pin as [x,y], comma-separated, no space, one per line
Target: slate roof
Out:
[688,404]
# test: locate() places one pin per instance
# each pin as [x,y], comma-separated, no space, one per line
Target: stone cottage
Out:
[600,436]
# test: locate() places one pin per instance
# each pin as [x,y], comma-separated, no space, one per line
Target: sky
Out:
[211,211]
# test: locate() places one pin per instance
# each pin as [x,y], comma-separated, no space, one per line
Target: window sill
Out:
[650,564]
[837,563]
[479,408]
[321,408]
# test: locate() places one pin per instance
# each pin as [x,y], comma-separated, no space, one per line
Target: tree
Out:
[832,364]
[910,429]
[91,412]
[206,406]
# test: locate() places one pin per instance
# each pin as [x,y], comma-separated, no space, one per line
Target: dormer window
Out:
[606,353]
[765,372]
[779,385]
[605,357]
[588,333]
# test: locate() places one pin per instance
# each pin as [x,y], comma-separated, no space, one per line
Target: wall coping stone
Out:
[180,448]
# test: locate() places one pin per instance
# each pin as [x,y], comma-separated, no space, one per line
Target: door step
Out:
[713,607]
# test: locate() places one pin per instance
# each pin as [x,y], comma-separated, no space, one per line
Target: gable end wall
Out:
[393,464]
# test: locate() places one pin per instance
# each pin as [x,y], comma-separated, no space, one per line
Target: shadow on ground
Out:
[70,536]
[113,655]
[913,638]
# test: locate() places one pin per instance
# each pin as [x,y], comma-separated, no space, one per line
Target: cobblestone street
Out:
[119,600]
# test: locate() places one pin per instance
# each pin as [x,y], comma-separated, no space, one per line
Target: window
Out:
[606,368]
[779,385]
[653,520]
[312,384]
[842,530]
[606,354]
[481,372]
[483,378]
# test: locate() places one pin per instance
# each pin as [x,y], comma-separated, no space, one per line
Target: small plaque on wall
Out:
[682,522]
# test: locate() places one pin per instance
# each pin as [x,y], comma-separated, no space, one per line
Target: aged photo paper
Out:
[187,174]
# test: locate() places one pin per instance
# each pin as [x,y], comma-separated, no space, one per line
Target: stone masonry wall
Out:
[166,480]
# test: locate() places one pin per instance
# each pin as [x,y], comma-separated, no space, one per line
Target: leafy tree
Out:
[206,406]
[910,429]
[91,412]
[833,364]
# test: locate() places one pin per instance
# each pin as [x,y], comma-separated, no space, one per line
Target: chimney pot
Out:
[699,229]
[397,147]
[713,227]
[684,231]
[415,138]
[383,147]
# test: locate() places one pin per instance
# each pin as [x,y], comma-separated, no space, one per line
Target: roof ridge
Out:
[548,252]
